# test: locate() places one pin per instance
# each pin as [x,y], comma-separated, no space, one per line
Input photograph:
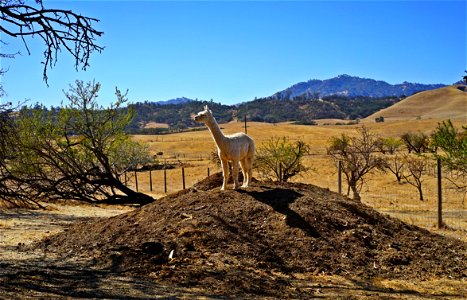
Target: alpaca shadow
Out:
[280,199]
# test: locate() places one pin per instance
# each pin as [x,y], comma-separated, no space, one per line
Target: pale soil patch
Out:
[25,226]
[156,125]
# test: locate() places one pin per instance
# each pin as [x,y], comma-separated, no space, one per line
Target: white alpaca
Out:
[237,148]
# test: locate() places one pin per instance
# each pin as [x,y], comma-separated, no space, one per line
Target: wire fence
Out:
[380,190]
[443,204]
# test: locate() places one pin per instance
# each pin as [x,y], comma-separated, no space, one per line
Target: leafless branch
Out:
[57,28]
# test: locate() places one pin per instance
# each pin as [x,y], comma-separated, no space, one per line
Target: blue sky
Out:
[234,51]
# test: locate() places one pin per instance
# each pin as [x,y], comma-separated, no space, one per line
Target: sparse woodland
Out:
[302,110]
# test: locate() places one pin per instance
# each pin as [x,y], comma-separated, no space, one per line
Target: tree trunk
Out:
[132,196]
[356,194]
[399,178]
[420,192]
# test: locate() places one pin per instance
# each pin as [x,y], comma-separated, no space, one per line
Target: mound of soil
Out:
[251,241]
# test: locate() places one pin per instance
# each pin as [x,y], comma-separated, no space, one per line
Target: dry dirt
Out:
[270,241]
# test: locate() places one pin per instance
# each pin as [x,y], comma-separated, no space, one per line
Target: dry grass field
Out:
[381,190]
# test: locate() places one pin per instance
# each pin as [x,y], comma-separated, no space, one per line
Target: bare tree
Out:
[416,166]
[392,159]
[58,29]
[395,164]
[359,156]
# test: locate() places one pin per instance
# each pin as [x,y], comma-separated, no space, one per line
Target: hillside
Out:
[444,103]
[351,86]
[255,241]
[342,97]
[301,109]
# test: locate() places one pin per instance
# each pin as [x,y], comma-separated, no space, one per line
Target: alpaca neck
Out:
[216,132]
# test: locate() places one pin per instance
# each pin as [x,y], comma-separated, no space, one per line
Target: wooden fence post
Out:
[245,126]
[136,180]
[183,177]
[440,195]
[150,180]
[165,180]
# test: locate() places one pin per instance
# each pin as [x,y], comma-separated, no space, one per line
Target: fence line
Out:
[166,180]
[381,190]
[448,209]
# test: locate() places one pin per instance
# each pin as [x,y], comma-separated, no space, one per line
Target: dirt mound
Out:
[251,241]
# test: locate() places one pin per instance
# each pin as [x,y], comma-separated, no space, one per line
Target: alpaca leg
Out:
[244,166]
[235,173]
[250,170]
[225,173]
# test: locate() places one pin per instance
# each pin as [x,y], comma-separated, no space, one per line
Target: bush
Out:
[379,119]
[280,159]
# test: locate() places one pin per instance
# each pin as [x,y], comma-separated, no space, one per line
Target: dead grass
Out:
[447,102]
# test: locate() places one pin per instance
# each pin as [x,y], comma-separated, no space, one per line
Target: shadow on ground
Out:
[280,199]
[46,278]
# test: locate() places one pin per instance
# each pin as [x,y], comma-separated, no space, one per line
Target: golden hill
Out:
[444,103]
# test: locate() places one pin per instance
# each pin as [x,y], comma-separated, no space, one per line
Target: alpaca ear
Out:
[206,107]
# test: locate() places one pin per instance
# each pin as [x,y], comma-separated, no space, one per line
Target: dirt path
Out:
[35,274]
[32,274]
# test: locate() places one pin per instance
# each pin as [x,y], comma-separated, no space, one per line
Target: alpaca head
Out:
[203,116]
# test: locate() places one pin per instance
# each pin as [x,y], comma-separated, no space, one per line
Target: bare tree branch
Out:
[57,28]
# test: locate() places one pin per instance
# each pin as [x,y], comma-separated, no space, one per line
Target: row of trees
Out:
[301,109]
[364,153]
[77,152]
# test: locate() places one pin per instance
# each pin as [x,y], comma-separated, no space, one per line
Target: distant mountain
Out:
[174,101]
[351,86]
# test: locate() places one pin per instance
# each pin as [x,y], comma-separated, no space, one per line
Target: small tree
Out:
[389,145]
[451,145]
[359,156]
[379,119]
[416,142]
[416,166]
[395,164]
[280,159]
[9,134]
[79,152]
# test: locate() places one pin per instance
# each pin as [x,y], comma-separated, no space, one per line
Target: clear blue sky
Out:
[234,51]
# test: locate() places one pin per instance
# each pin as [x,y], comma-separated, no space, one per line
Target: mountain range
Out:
[342,85]
[352,86]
